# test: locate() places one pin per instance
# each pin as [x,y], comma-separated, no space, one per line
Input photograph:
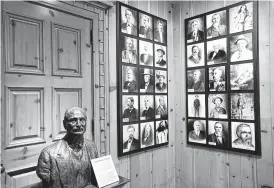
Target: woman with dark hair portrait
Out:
[147,136]
[243,19]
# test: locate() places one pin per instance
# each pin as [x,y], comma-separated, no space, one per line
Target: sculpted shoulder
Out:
[51,148]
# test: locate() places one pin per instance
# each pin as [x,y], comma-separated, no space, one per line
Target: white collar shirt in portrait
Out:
[242,56]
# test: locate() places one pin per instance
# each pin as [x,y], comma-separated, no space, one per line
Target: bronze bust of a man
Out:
[66,163]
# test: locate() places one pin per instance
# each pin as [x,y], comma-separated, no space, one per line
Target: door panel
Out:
[48,69]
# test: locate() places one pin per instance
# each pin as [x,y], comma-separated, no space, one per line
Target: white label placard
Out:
[105,171]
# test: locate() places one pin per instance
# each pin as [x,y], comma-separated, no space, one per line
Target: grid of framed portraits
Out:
[142,80]
[222,78]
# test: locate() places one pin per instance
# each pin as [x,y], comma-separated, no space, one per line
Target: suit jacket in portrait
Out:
[213,138]
[161,89]
[192,135]
[194,60]
[161,63]
[131,114]
[162,111]
[158,38]
[133,29]
[239,143]
[150,88]
[148,141]
[200,36]
[131,86]
[126,58]
[134,145]
[146,60]
[220,56]
[146,32]
[149,113]
[197,86]
[214,113]
[213,32]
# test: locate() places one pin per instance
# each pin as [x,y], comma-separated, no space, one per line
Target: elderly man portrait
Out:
[161,132]
[130,54]
[195,57]
[145,29]
[196,34]
[216,29]
[148,112]
[146,58]
[132,143]
[244,137]
[218,82]
[217,55]
[159,34]
[66,163]
[147,87]
[160,55]
[197,134]
[217,111]
[147,135]
[130,112]
[242,53]
[219,137]
[130,85]
[161,109]
[129,27]
[196,84]
[161,86]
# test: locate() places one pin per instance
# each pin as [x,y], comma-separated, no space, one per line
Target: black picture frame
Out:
[237,107]
[134,97]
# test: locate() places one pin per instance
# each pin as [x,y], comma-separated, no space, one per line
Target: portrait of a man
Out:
[161,132]
[219,109]
[242,51]
[147,86]
[195,30]
[244,136]
[216,51]
[130,83]
[195,55]
[241,76]
[217,79]
[242,106]
[147,134]
[219,137]
[160,31]
[146,53]
[197,132]
[160,57]
[161,86]
[218,24]
[130,112]
[145,30]
[196,80]
[196,105]
[161,107]
[129,55]
[147,107]
[128,17]
[132,138]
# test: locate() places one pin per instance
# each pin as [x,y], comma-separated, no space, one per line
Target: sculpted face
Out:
[75,124]
[245,134]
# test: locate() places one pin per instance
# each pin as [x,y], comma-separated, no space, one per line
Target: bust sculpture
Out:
[66,163]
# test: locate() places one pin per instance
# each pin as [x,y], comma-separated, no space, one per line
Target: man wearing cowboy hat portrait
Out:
[161,86]
[147,87]
[159,59]
[218,111]
[242,53]
[145,49]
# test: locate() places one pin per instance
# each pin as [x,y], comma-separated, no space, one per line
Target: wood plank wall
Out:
[203,168]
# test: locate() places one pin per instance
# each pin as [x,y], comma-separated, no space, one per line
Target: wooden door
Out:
[46,68]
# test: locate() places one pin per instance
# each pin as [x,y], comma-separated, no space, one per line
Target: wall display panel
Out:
[222,79]
[142,74]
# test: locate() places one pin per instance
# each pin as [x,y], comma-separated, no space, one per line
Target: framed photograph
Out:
[130,108]
[161,111]
[195,30]
[161,132]
[129,50]
[242,106]
[160,56]
[216,51]
[146,107]
[216,24]
[196,131]
[128,20]
[217,106]
[147,134]
[243,135]
[146,53]
[160,30]
[161,81]
[242,77]
[218,134]
[217,78]
[131,140]
[145,26]
[241,18]
[129,79]
[146,80]
[241,47]
[196,80]
[195,55]
[196,105]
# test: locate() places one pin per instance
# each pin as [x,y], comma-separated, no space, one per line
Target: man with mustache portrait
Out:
[132,143]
